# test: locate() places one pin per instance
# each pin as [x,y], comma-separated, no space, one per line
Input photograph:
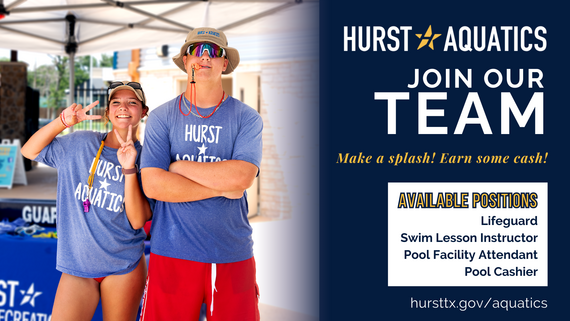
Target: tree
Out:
[106,60]
[58,84]
[53,80]
[41,79]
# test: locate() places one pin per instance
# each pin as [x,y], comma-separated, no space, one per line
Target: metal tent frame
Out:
[14,16]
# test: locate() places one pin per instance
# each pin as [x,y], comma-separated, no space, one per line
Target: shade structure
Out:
[83,27]
[49,26]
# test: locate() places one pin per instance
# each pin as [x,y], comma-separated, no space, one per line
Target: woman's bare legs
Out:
[122,294]
[76,299]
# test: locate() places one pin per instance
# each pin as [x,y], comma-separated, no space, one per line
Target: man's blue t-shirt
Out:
[214,230]
[101,242]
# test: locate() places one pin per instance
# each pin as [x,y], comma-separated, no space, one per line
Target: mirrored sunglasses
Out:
[214,51]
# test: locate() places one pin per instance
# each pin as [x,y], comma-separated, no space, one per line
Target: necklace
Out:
[92,176]
[190,107]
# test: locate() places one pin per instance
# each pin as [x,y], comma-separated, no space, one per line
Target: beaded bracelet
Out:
[62,117]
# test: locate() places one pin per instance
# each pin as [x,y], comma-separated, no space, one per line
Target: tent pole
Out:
[72,77]
[14,4]
[71,81]
[70,49]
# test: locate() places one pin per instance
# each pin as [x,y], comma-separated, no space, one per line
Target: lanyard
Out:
[92,176]
[193,98]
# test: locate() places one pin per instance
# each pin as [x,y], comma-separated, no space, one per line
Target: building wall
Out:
[13,100]
[289,108]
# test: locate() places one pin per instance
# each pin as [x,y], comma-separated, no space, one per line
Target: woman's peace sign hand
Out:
[75,113]
[127,153]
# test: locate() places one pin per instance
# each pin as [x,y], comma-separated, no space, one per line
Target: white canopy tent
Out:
[82,27]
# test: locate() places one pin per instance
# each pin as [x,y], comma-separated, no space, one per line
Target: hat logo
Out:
[213,33]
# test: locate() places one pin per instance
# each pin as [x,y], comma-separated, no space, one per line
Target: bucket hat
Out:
[210,35]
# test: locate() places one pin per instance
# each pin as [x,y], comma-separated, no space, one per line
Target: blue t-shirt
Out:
[101,242]
[215,230]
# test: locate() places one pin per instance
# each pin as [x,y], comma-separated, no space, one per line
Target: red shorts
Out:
[175,290]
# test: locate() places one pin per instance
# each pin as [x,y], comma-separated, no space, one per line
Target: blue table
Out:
[28,278]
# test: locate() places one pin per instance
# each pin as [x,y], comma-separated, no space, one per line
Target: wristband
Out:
[62,117]
[130,170]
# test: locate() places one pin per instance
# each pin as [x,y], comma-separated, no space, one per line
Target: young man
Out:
[202,149]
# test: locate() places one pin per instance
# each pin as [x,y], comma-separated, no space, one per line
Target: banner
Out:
[443,130]
[12,169]
[8,154]
[33,211]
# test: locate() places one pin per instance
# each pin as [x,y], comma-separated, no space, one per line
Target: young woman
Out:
[101,209]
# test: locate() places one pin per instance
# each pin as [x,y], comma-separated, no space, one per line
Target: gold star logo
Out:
[427,37]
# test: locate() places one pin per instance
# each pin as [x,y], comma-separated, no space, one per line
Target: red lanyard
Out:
[193,98]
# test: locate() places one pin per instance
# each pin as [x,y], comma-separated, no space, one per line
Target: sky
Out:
[34,59]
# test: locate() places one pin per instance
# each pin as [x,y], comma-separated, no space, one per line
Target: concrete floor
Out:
[42,184]
[271,313]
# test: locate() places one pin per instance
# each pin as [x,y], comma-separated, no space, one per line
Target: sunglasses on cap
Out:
[133,84]
[214,51]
